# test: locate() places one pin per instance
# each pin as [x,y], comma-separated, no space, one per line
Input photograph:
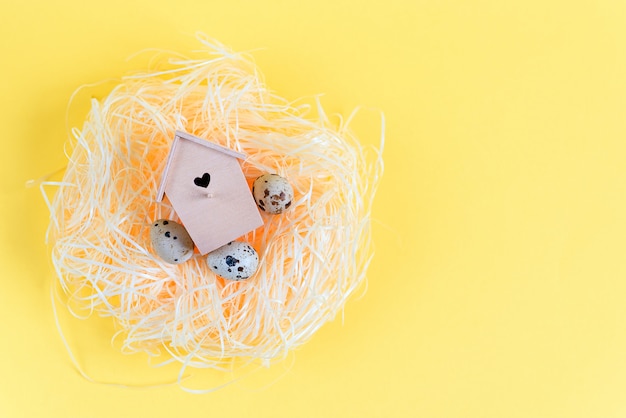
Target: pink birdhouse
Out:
[206,186]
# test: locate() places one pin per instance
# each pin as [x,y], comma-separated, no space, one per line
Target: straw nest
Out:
[312,257]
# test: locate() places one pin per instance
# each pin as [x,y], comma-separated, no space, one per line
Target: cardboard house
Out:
[206,186]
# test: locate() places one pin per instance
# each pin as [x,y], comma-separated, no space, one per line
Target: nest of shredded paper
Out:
[312,257]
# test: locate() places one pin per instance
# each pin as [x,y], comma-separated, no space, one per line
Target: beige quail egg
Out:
[272,193]
[171,241]
[233,261]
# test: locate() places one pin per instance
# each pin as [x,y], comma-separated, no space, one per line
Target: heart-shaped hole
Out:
[203,181]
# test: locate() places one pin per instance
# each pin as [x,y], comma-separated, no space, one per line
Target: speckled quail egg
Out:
[171,241]
[233,261]
[272,193]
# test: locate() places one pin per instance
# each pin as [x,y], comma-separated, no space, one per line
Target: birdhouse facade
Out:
[208,190]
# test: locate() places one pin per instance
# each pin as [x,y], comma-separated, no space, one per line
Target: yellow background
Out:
[498,287]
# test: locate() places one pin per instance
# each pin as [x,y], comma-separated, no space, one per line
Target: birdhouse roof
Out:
[183,135]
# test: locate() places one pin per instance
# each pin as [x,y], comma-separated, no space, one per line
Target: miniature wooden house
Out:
[206,186]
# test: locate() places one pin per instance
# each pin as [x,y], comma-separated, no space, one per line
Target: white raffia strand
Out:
[312,257]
